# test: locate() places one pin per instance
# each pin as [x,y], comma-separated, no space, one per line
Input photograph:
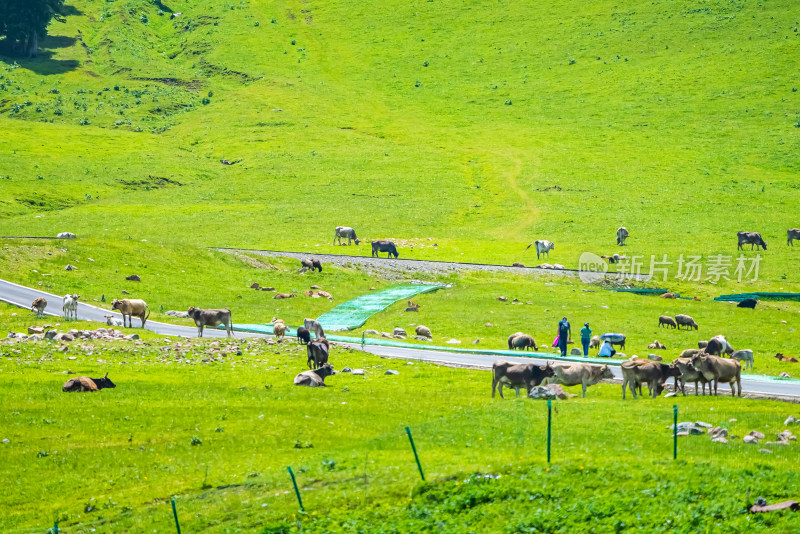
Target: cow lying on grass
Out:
[84,383]
[314,378]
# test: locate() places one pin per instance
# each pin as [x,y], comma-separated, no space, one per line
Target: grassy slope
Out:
[115,457]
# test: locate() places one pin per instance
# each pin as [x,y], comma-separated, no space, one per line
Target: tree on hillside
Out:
[24,22]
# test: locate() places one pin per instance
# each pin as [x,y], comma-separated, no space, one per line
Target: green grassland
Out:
[478,127]
[110,461]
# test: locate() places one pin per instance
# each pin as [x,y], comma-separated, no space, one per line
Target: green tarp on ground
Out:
[354,313]
[758,296]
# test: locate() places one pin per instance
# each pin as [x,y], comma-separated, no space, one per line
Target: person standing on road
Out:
[586,336]
[564,334]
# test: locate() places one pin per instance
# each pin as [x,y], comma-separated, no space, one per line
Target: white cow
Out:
[345,231]
[314,326]
[543,246]
[70,306]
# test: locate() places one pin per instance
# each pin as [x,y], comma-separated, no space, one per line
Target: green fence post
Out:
[296,490]
[549,424]
[416,456]
[175,513]
[675,432]
[55,528]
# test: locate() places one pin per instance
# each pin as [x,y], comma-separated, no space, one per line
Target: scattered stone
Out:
[386,334]
[70,267]
[358,371]
[397,336]
[477,340]
[575,351]
[765,451]
[784,375]
[254,286]
[790,421]
[731,420]
[179,314]
[750,439]
[372,332]
[502,299]
[720,439]
[133,278]
[422,338]
[670,394]
[756,434]
[688,427]
[398,332]
[391,372]
[268,289]
[539,392]
[558,390]
[64,337]
[654,357]
[35,330]
[702,424]
[346,370]
[6,441]
[453,341]
[488,325]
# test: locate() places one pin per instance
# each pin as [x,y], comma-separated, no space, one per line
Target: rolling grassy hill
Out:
[484,126]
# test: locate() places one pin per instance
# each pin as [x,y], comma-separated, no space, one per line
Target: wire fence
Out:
[522,433]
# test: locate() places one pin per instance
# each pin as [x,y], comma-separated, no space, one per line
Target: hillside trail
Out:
[526,224]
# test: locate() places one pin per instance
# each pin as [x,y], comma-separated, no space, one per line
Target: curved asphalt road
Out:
[23,296]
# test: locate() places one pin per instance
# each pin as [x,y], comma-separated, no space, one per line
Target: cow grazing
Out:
[688,374]
[719,370]
[84,383]
[347,232]
[791,235]
[422,330]
[314,378]
[543,246]
[317,353]
[382,245]
[38,306]
[667,321]
[113,321]
[622,235]
[518,375]
[314,326]
[523,342]
[312,265]
[638,372]
[717,345]
[744,355]
[279,329]
[70,307]
[685,320]
[594,343]
[750,238]
[747,303]
[511,339]
[303,335]
[131,308]
[580,373]
[203,318]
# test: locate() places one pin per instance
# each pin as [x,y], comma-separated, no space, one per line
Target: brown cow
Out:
[689,374]
[279,329]
[84,383]
[517,375]
[38,306]
[203,318]
[719,370]
[638,372]
[522,342]
[580,373]
[131,308]
[315,378]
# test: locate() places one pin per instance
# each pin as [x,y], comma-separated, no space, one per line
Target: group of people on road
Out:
[565,334]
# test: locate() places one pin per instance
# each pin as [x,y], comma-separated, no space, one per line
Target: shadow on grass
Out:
[43,64]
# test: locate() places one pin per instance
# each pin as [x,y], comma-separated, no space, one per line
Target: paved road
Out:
[22,296]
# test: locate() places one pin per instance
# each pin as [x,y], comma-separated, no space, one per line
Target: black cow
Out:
[303,335]
[84,383]
[383,245]
[312,264]
[750,238]
[747,303]
[317,352]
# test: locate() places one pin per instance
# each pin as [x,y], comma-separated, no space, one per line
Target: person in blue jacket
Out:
[564,334]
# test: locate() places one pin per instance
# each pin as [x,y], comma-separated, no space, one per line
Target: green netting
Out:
[758,296]
[354,313]
[641,291]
